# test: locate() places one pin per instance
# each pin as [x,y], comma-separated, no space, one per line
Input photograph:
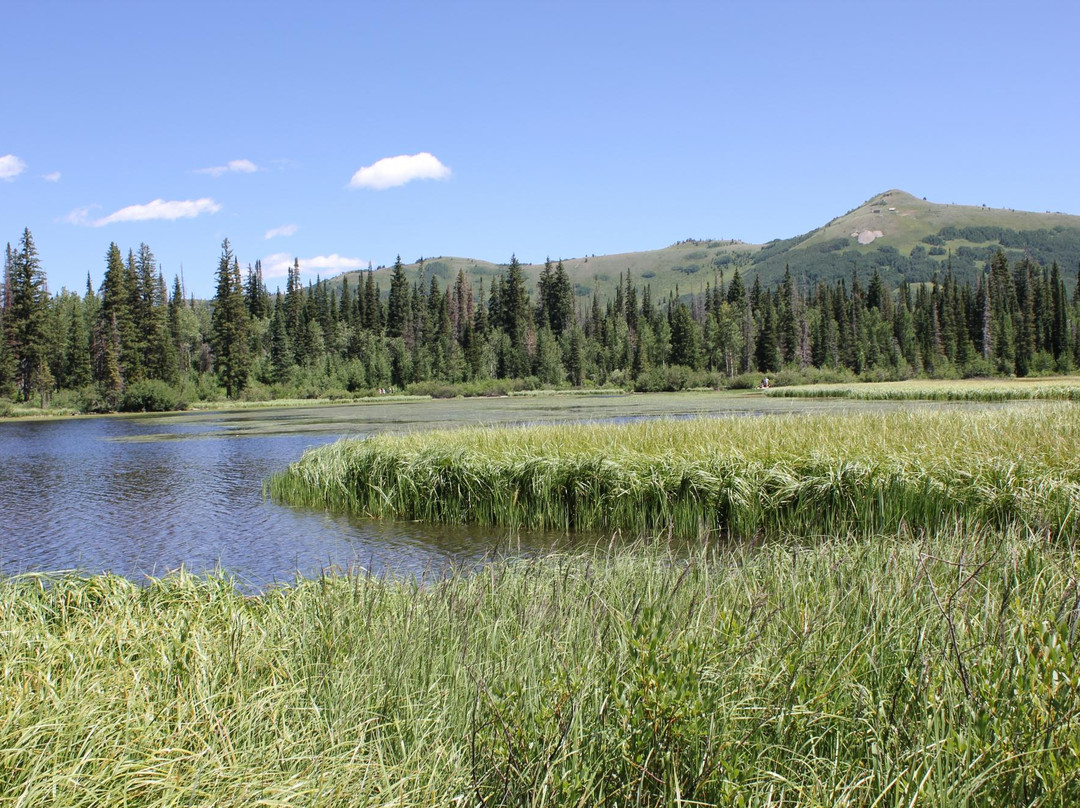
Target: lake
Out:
[146,495]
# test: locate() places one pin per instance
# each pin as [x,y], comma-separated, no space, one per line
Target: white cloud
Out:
[277,265]
[160,209]
[11,167]
[79,216]
[392,171]
[232,167]
[284,230]
[53,177]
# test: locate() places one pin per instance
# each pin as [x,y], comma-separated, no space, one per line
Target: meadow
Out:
[904,670]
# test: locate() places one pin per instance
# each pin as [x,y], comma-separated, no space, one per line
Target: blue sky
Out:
[536,128]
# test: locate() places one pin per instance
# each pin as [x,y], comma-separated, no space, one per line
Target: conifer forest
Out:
[136,341]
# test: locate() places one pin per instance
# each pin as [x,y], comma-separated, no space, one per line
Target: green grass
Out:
[1059,388]
[880,672]
[806,474]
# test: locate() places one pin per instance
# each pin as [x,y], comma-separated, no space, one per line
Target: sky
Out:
[346,133]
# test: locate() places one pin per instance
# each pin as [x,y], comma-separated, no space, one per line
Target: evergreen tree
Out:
[399,305]
[118,292]
[373,319]
[1059,329]
[685,337]
[514,319]
[788,315]
[229,325]
[294,310]
[575,356]
[255,293]
[7,359]
[560,305]
[1025,333]
[736,293]
[767,351]
[281,353]
[25,320]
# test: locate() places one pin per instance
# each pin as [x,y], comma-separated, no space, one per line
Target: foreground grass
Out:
[881,672]
[1061,388]
[807,474]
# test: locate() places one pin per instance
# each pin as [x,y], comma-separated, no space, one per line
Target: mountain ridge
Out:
[903,237]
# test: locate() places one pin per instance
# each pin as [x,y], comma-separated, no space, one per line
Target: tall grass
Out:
[986,390]
[812,475]
[888,672]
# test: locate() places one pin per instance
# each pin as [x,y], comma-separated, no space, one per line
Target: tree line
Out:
[133,343]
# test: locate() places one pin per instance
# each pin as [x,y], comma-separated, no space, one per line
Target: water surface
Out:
[145,495]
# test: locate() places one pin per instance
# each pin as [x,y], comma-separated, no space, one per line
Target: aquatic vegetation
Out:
[987,390]
[888,671]
[805,474]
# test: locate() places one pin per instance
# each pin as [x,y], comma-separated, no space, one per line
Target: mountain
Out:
[907,238]
[901,236]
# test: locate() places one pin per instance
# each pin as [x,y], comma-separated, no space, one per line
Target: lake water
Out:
[145,495]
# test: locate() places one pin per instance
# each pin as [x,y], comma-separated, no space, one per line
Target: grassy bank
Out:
[1065,388]
[809,474]
[881,672]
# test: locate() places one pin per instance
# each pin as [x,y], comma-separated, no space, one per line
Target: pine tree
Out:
[281,354]
[575,356]
[294,310]
[229,325]
[118,291]
[399,304]
[372,304]
[561,304]
[7,359]
[1025,324]
[255,293]
[736,293]
[685,337]
[514,320]
[25,320]
[1059,329]
[767,351]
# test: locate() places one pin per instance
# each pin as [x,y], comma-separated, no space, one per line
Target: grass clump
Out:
[890,671]
[812,475]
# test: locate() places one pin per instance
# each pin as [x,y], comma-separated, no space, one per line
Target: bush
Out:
[667,379]
[745,381]
[979,368]
[254,391]
[434,389]
[201,387]
[1042,364]
[151,396]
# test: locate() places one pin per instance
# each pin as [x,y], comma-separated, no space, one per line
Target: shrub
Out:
[150,396]
[979,368]
[667,379]
[1042,364]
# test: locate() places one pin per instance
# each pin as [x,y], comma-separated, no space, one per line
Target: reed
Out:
[806,474]
[984,390]
[884,672]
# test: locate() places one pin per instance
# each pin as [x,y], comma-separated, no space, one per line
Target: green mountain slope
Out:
[904,237]
[900,235]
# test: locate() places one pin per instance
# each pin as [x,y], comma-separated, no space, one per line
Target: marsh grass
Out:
[885,672]
[805,474]
[986,390]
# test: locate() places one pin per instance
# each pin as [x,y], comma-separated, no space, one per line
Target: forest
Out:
[136,343]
